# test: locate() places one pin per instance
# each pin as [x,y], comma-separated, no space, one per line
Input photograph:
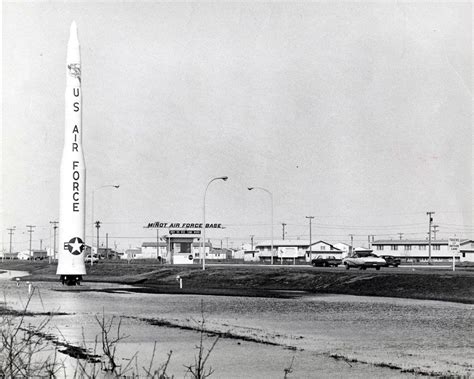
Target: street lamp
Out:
[92,216]
[271,198]
[203,248]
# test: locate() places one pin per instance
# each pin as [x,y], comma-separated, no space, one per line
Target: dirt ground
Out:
[281,281]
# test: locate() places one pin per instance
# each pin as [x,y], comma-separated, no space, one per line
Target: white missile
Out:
[72,191]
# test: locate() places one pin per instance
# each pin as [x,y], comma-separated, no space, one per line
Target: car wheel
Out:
[347,266]
[377,268]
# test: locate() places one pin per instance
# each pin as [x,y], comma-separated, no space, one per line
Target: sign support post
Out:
[454,245]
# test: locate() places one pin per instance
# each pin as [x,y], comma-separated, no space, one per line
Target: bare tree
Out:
[198,370]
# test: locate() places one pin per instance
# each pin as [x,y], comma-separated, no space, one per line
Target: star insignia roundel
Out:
[75,246]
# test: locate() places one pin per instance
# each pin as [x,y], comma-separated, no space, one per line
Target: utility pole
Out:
[41,244]
[310,237]
[10,231]
[30,230]
[435,229]
[227,242]
[430,215]
[368,239]
[283,225]
[55,226]
[251,242]
[401,235]
[97,225]
[106,245]
[352,244]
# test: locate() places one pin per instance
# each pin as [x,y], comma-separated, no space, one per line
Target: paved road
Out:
[404,268]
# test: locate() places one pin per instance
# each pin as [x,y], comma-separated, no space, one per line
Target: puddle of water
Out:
[402,332]
[10,274]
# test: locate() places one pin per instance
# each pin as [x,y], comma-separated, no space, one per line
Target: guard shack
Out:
[183,242]
[180,246]
[184,246]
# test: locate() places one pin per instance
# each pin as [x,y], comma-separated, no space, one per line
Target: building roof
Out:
[153,244]
[283,243]
[199,244]
[326,243]
[409,242]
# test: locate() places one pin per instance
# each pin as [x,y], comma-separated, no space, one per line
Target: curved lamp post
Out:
[203,247]
[271,198]
[92,215]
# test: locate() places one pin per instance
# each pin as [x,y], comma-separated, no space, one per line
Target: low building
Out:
[283,250]
[174,249]
[132,253]
[107,253]
[197,248]
[323,249]
[413,250]
[7,255]
[219,254]
[149,250]
[251,255]
[344,247]
[33,255]
[466,251]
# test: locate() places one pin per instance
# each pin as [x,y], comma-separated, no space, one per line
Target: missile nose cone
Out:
[73,40]
[73,30]
[73,54]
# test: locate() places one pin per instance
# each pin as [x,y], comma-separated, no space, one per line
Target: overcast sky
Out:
[359,114]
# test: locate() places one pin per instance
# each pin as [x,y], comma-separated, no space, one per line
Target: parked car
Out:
[391,260]
[91,258]
[326,262]
[363,261]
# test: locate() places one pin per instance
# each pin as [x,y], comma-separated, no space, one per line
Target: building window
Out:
[394,247]
[422,247]
[379,247]
[323,247]
[436,247]
[407,247]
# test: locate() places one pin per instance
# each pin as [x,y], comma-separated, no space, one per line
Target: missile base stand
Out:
[71,280]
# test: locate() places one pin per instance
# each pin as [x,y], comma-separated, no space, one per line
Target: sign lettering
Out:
[75,186]
[183,225]
[185,231]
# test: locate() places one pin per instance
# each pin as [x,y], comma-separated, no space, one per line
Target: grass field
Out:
[253,280]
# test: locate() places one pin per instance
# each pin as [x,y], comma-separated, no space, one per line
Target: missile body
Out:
[72,191]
